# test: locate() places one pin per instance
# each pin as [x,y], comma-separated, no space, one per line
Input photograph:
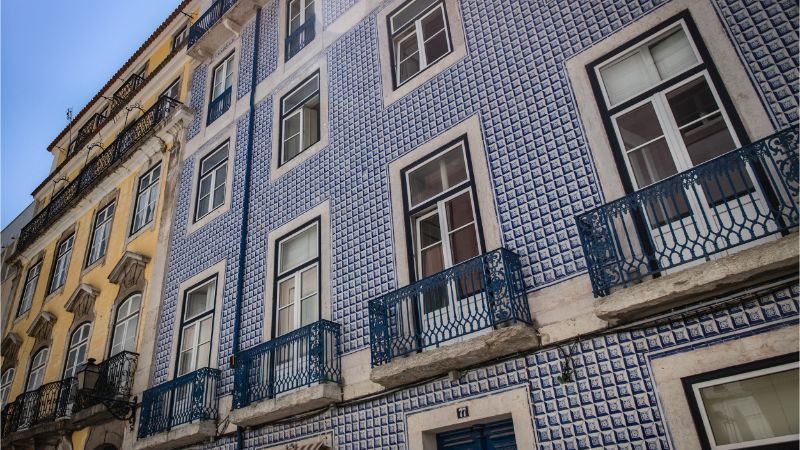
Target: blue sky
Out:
[56,55]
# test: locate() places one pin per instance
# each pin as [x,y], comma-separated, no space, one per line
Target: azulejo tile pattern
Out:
[765,35]
[542,173]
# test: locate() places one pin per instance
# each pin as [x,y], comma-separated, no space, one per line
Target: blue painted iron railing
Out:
[183,400]
[301,37]
[96,170]
[51,401]
[300,358]
[734,199]
[480,293]
[219,105]
[209,19]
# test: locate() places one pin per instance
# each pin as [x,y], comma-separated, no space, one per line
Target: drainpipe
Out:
[245,211]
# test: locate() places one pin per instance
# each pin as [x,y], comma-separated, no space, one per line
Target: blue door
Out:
[490,436]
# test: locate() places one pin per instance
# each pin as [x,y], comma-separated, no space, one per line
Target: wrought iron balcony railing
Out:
[301,37]
[734,199]
[183,400]
[300,358]
[50,402]
[96,170]
[126,91]
[86,132]
[209,18]
[219,105]
[114,380]
[478,294]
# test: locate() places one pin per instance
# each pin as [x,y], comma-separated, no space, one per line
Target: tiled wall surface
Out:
[542,170]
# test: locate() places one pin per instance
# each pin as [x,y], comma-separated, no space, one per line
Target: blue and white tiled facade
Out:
[542,171]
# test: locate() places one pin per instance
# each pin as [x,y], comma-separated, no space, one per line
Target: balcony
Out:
[179,412]
[742,201]
[294,373]
[219,23]
[300,37]
[41,415]
[100,167]
[470,313]
[107,390]
[219,106]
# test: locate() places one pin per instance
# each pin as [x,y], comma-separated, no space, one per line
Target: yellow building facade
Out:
[83,267]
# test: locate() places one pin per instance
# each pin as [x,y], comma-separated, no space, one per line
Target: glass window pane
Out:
[296,97]
[437,175]
[213,159]
[432,260]
[627,77]
[298,249]
[652,163]
[308,311]
[464,244]
[673,54]
[311,122]
[409,12]
[429,231]
[692,101]
[459,211]
[285,320]
[436,47]
[408,68]
[309,282]
[199,301]
[286,292]
[755,408]
[639,126]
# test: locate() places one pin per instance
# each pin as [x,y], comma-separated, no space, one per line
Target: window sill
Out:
[144,229]
[101,261]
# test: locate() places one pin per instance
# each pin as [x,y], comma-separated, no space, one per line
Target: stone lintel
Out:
[42,325]
[713,278]
[288,404]
[129,269]
[82,300]
[10,346]
[459,355]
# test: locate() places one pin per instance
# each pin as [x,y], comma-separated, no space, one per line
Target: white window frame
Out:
[29,289]
[37,369]
[131,320]
[212,173]
[61,263]
[101,233]
[173,85]
[643,49]
[6,380]
[296,272]
[403,34]
[225,70]
[76,347]
[302,14]
[147,196]
[196,321]
[180,37]
[299,108]
[741,376]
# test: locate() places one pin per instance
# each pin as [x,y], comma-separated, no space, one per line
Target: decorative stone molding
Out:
[129,270]
[10,346]
[81,301]
[42,325]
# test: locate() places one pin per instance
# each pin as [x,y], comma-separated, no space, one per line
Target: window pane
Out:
[308,311]
[285,320]
[409,12]
[673,54]
[652,163]
[626,77]
[296,97]
[308,282]
[432,260]
[436,47]
[286,292]
[755,408]
[459,211]
[437,175]
[213,159]
[199,301]
[298,249]
[464,244]
[311,122]
[408,68]
[429,231]
[692,101]
[639,126]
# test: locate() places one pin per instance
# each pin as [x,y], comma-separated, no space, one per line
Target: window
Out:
[142,72]
[179,38]
[146,197]
[5,385]
[221,88]
[440,213]
[419,37]
[126,325]
[747,407]
[667,115]
[76,355]
[28,291]
[300,26]
[490,436]
[300,119]
[197,325]
[36,373]
[174,90]
[211,184]
[61,264]
[100,234]
[298,279]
